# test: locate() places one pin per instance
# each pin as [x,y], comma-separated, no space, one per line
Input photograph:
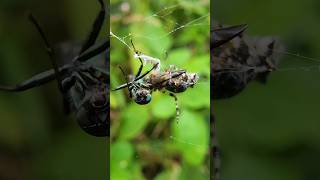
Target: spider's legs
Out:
[146,73]
[49,51]
[177,106]
[35,81]
[97,25]
[140,68]
[93,51]
[127,81]
[141,63]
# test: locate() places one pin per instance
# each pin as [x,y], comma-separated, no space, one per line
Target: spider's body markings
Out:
[84,82]
[172,79]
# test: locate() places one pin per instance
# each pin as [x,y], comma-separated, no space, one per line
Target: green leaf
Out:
[197,97]
[134,119]
[179,57]
[121,154]
[200,64]
[163,106]
[191,136]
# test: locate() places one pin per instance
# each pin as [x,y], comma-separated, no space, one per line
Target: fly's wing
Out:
[241,60]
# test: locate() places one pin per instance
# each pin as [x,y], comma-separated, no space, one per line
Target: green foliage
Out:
[145,137]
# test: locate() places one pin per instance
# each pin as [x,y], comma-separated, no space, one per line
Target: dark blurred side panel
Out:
[37,139]
[265,90]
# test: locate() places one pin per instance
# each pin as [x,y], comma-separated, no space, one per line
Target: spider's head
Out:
[142,96]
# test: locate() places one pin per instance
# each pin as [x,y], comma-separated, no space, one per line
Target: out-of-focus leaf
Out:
[191,172]
[199,65]
[197,97]
[121,154]
[152,37]
[134,120]
[163,106]
[163,176]
[178,57]
[191,136]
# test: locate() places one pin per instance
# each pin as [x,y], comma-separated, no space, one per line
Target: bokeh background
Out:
[37,141]
[146,141]
[272,131]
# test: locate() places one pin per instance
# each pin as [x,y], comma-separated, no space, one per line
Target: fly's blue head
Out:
[142,96]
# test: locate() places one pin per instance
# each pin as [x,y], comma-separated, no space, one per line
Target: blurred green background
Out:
[37,141]
[146,141]
[272,131]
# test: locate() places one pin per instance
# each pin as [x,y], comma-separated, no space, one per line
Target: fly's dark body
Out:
[172,79]
[83,82]
[239,59]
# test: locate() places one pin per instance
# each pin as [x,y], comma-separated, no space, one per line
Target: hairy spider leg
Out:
[141,62]
[96,28]
[177,106]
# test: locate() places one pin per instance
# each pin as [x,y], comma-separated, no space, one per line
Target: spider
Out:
[83,82]
[172,79]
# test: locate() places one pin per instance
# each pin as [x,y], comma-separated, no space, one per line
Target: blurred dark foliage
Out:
[37,140]
[271,131]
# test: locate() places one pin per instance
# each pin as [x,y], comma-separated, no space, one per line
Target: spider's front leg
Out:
[96,28]
[37,80]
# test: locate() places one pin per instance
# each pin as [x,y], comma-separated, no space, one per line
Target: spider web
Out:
[168,28]
[165,30]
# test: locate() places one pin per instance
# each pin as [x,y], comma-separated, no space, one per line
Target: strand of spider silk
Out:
[297,55]
[174,30]
[164,9]
[186,142]
[302,68]
[312,68]
[145,58]
[122,41]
